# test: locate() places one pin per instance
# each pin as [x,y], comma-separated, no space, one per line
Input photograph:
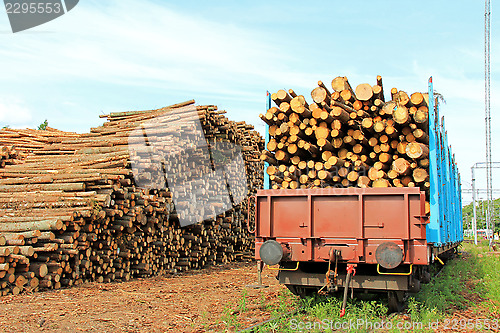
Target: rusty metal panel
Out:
[290,216]
[417,220]
[335,216]
[372,282]
[354,221]
[385,216]
[262,219]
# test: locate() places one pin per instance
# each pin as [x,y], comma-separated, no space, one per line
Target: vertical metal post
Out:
[267,183]
[433,228]
[489,194]
[259,285]
[260,264]
[449,195]
[440,177]
[474,216]
[459,193]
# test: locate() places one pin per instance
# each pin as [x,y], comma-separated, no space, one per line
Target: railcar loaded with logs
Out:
[71,210]
[361,190]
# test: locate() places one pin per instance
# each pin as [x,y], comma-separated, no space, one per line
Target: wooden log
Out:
[379,83]
[45,283]
[374,173]
[417,150]
[401,166]
[417,99]
[283,96]
[403,99]
[364,182]
[381,182]
[388,108]
[320,95]
[20,258]
[364,92]
[339,114]
[421,116]
[367,124]
[352,176]
[53,224]
[324,144]
[43,187]
[379,126]
[324,175]
[401,115]
[420,175]
[341,83]
[12,249]
[423,163]
[18,242]
[385,158]
[26,251]
[392,174]
[421,136]
[299,105]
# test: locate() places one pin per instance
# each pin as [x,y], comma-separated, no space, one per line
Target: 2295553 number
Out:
[33,8]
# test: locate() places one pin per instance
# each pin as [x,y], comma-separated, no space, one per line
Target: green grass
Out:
[447,292]
[230,319]
[489,264]
[467,282]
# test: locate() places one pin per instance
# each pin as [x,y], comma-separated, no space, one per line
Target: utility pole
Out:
[489,194]
[474,217]
[479,165]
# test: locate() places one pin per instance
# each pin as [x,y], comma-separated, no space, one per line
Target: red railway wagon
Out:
[370,239]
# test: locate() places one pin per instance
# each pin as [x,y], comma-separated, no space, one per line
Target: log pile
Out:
[348,137]
[71,211]
[27,140]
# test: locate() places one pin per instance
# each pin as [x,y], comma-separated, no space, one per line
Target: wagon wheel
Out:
[396,301]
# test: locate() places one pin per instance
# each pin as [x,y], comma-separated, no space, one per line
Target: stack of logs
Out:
[71,211]
[348,138]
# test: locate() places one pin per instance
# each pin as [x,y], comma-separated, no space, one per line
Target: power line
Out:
[478,191]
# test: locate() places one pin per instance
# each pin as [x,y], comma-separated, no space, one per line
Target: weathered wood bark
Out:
[360,139]
[54,224]
[93,223]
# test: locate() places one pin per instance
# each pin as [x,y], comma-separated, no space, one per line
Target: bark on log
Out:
[44,225]
[417,150]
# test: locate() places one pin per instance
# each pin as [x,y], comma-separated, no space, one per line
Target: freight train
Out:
[330,240]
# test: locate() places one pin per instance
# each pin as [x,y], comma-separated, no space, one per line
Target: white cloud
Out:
[154,46]
[14,113]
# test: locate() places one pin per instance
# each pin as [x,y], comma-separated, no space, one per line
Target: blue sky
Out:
[119,55]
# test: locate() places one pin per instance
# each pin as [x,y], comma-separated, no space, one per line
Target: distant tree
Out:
[6,126]
[43,126]
[467,215]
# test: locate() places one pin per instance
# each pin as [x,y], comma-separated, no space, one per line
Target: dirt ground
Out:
[198,301]
[190,302]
